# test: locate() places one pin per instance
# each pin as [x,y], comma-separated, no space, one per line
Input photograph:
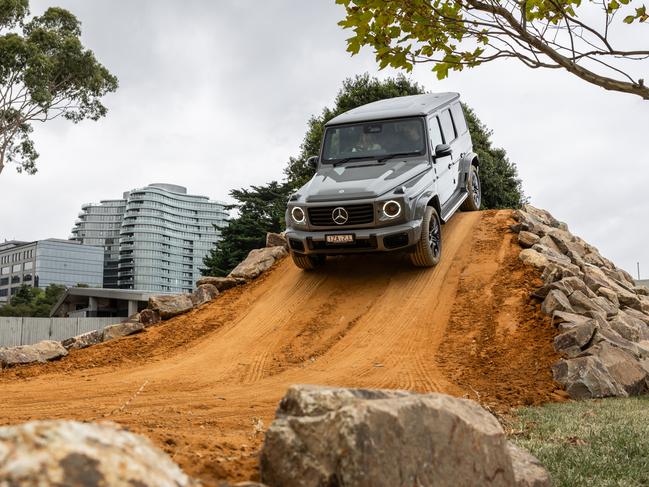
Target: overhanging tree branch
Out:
[455,34]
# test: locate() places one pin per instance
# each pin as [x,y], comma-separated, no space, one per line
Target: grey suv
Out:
[388,175]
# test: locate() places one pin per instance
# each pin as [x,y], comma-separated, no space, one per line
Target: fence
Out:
[26,331]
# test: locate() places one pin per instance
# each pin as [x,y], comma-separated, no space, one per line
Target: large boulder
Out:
[257,262]
[569,318]
[527,239]
[586,377]
[569,285]
[49,453]
[121,330]
[582,304]
[552,254]
[556,301]
[49,350]
[623,368]
[276,240]
[149,317]
[203,294]
[326,436]
[26,354]
[544,216]
[534,258]
[528,471]
[576,336]
[170,305]
[629,327]
[84,340]
[220,283]
[610,295]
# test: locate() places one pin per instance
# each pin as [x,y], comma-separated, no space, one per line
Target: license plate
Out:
[339,239]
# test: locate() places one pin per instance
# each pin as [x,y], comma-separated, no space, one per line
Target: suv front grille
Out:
[321,216]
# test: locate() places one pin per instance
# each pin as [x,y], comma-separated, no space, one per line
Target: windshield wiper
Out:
[347,159]
[390,156]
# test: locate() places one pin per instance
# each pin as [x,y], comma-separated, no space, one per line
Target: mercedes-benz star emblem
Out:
[339,215]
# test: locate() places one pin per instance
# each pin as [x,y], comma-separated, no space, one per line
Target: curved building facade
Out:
[161,240]
[99,225]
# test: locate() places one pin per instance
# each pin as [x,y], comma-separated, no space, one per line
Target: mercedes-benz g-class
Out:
[389,174]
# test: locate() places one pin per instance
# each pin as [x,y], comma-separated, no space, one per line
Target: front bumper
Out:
[384,239]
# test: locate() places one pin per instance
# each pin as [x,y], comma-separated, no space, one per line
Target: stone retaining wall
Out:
[603,316]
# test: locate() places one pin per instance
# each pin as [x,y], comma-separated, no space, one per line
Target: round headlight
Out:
[298,214]
[392,209]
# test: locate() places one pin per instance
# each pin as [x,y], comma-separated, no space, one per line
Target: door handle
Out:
[449,166]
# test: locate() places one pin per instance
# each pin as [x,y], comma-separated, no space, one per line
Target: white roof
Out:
[401,106]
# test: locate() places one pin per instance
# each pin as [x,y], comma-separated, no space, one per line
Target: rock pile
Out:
[602,315]
[73,453]
[330,436]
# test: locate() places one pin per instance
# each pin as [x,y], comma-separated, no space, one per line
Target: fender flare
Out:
[429,198]
[469,159]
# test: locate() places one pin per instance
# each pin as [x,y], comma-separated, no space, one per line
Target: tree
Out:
[501,187]
[355,92]
[45,73]
[574,35]
[33,301]
[261,208]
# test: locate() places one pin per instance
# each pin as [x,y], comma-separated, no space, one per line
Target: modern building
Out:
[45,262]
[99,225]
[154,239]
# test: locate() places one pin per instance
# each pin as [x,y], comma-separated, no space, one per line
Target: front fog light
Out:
[392,209]
[298,215]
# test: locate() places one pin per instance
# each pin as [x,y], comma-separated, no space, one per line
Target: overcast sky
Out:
[216,95]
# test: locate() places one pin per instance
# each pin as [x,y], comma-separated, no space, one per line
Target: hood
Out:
[360,180]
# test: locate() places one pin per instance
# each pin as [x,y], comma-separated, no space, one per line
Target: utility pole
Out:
[638,271]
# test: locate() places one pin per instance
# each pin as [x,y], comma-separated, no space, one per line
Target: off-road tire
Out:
[474,187]
[308,262]
[429,248]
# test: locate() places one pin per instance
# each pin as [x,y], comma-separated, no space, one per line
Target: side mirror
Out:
[312,162]
[442,150]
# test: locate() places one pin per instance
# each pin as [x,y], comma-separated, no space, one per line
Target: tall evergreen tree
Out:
[501,186]
[260,209]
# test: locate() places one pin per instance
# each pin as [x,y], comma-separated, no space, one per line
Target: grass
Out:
[588,443]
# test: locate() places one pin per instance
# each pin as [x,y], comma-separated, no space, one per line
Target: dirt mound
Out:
[205,385]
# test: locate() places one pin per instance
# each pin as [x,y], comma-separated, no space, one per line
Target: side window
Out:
[447,126]
[458,118]
[435,132]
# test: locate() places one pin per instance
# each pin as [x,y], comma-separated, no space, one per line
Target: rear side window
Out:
[435,132]
[458,118]
[447,126]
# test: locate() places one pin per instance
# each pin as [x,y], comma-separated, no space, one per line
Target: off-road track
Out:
[205,385]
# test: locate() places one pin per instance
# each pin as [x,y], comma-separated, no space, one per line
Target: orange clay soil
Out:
[205,385]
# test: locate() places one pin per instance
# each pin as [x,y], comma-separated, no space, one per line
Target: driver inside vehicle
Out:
[366,143]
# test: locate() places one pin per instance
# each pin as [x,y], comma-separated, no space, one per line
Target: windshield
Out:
[369,140]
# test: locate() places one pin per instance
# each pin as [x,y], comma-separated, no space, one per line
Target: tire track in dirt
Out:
[214,375]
